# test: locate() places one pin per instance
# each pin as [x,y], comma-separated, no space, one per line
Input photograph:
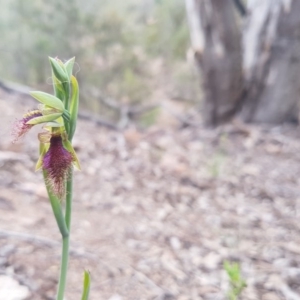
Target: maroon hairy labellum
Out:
[57,163]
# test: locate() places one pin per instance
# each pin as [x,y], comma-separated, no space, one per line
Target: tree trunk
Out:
[253,71]
[273,75]
[217,43]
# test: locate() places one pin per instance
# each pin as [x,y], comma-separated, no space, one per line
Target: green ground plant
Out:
[237,283]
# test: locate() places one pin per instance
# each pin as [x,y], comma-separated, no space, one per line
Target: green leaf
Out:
[48,100]
[237,283]
[59,70]
[44,119]
[74,107]
[86,285]
[69,66]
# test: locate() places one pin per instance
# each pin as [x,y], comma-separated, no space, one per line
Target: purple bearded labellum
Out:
[21,127]
[57,163]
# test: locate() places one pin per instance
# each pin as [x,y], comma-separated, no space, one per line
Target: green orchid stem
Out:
[63,223]
[63,268]
[66,240]
[57,210]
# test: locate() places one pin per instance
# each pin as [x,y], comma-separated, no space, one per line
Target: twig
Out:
[11,87]
[108,101]
[138,110]
[42,241]
[182,119]
[97,120]
[29,238]
[52,244]
[161,292]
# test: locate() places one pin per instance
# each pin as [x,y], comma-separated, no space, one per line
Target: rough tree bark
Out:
[251,70]
[217,44]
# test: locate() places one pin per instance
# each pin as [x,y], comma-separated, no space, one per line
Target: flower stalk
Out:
[58,113]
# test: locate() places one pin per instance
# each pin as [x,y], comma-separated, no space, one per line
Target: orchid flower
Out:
[58,115]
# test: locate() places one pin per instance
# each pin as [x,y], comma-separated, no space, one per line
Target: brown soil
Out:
[157,212]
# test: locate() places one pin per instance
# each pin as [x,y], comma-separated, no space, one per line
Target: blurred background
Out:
[189,144]
[133,53]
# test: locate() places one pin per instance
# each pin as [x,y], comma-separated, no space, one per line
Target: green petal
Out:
[74,106]
[69,66]
[44,119]
[58,88]
[48,100]
[58,70]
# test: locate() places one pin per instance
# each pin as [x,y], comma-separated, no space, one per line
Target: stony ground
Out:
[156,213]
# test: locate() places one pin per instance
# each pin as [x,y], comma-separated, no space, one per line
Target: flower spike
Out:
[58,113]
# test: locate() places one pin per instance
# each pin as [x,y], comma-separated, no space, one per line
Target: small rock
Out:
[10,289]
[270,296]
[175,243]
[274,281]
[211,261]
[115,297]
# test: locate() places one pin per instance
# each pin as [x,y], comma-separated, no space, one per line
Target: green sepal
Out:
[58,88]
[39,163]
[74,106]
[43,150]
[70,148]
[48,100]
[58,70]
[44,119]
[69,66]
[86,285]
